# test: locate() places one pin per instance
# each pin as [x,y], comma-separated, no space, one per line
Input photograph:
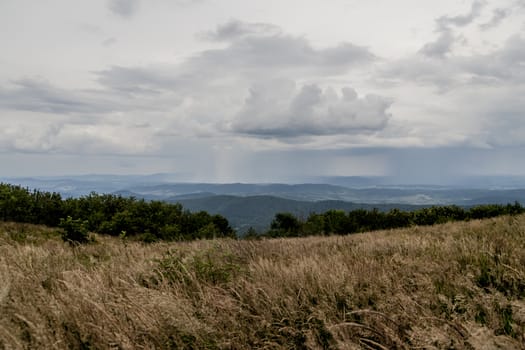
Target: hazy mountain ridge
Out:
[375,190]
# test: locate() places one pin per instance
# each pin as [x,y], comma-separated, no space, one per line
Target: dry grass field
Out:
[451,286]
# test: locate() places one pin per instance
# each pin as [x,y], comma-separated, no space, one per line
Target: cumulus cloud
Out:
[123,8]
[279,109]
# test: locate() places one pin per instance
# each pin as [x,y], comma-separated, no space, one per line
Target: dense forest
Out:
[110,214]
[157,220]
[362,220]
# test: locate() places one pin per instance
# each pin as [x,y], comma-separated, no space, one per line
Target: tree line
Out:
[157,220]
[340,222]
[110,214]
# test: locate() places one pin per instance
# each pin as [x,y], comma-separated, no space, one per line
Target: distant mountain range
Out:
[255,205]
[412,195]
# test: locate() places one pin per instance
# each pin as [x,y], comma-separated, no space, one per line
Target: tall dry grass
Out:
[452,286]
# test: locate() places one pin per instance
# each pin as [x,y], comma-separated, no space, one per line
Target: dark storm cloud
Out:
[123,8]
[278,109]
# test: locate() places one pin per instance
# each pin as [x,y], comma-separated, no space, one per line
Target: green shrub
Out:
[147,237]
[74,231]
[285,224]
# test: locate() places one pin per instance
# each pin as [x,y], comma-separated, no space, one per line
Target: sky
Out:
[263,91]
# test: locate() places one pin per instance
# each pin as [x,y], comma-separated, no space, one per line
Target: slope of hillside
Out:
[452,286]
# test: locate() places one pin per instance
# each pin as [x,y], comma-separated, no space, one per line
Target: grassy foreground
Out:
[451,286]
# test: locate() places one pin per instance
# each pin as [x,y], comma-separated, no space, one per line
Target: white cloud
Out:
[278,109]
[27,133]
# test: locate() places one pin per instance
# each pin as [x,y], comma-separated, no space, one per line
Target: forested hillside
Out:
[110,214]
[360,220]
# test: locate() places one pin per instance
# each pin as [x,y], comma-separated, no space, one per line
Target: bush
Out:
[109,214]
[74,231]
[285,225]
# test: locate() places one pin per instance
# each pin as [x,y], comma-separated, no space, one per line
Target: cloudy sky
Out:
[273,90]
